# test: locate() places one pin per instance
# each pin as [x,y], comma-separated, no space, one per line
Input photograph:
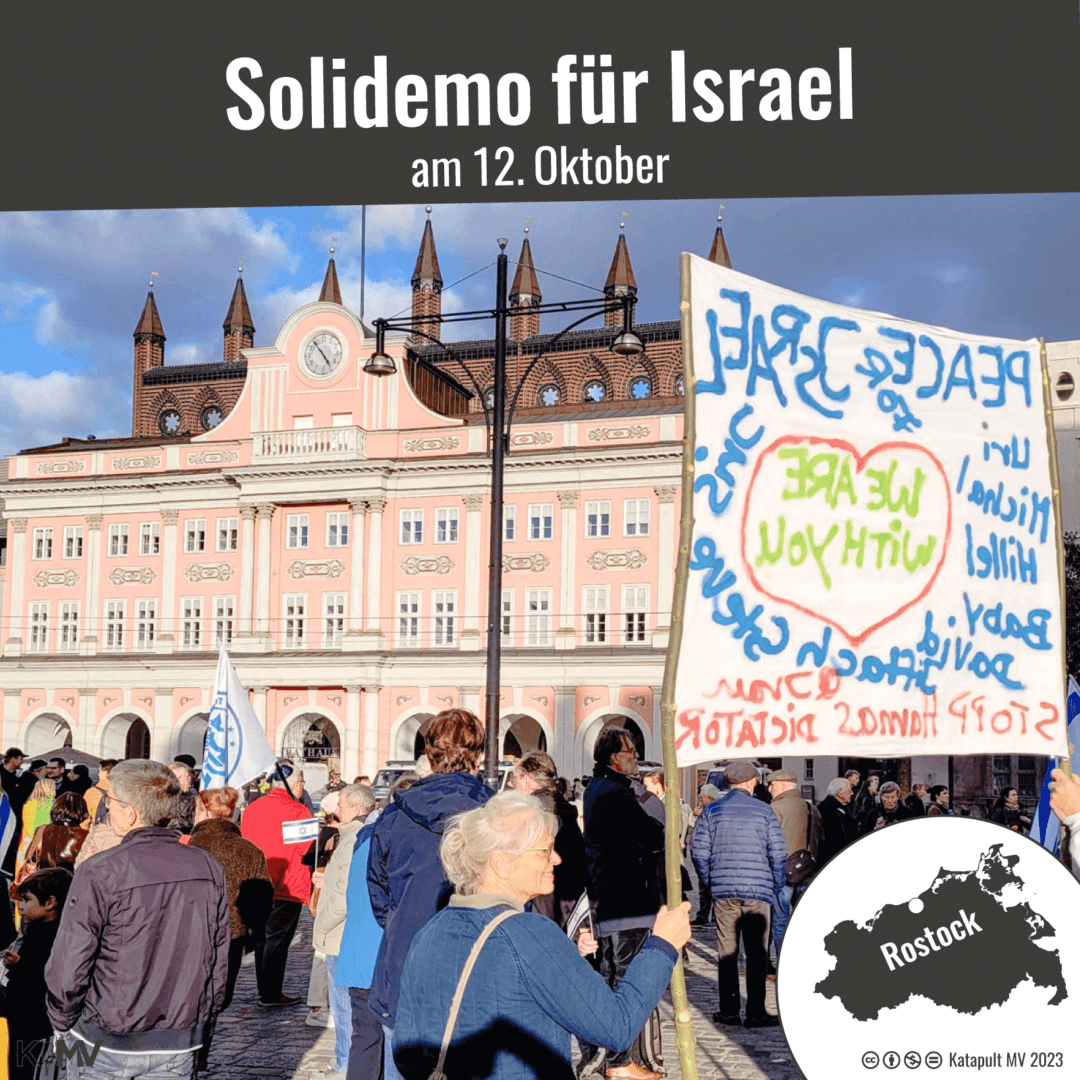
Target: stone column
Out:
[471,634]
[371,730]
[258,703]
[247,570]
[667,535]
[91,614]
[354,634]
[11,718]
[86,737]
[167,626]
[565,731]
[469,698]
[264,580]
[376,504]
[655,747]
[161,736]
[16,569]
[565,633]
[352,743]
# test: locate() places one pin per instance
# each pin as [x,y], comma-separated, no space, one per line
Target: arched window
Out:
[679,386]
[594,391]
[548,394]
[211,416]
[640,387]
[1064,386]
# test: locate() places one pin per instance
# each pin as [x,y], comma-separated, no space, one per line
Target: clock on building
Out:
[323,353]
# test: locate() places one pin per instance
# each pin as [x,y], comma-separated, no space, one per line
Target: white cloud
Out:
[190,352]
[39,410]
[16,297]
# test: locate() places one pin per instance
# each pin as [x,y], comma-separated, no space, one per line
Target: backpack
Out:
[801,865]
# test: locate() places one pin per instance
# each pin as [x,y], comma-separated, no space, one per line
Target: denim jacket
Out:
[529,992]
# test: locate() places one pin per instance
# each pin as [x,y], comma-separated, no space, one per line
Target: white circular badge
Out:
[937,947]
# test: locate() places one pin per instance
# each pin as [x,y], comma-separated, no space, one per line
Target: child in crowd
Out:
[40,899]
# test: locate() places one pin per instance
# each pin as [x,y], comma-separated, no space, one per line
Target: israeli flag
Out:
[236,749]
[8,823]
[1045,827]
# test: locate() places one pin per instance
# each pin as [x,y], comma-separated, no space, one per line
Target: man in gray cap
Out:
[739,850]
[794,814]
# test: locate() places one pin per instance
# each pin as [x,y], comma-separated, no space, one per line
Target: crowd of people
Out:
[452,925]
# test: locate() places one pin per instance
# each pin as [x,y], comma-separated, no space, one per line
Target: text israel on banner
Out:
[874,566]
[236,749]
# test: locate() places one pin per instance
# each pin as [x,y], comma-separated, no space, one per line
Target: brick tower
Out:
[149,353]
[239,329]
[620,279]
[427,284]
[524,294]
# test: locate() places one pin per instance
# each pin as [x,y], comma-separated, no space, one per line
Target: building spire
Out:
[719,252]
[149,353]
[330,294]
[525,294]
[150,321]
[427,286]
[239,329]
[620,279]
[426,271]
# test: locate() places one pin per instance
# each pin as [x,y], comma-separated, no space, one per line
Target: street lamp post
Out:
[499,420]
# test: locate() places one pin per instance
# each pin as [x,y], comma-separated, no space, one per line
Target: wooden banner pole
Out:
[1059,541]
[684,1031]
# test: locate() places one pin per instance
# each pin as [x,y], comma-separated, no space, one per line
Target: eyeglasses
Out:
[545,851]
[109,799]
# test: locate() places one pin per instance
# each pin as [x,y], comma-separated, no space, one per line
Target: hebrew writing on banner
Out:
[873,569]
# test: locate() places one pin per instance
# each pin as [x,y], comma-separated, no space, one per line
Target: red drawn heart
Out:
[799,603]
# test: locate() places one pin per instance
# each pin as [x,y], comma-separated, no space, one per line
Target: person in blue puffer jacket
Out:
[406,882]
[739,849]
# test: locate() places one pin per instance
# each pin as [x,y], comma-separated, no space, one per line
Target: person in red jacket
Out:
[261,824]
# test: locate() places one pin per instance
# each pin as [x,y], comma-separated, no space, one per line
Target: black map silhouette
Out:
[984,953]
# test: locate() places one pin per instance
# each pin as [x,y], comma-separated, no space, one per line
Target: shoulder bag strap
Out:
[459,993]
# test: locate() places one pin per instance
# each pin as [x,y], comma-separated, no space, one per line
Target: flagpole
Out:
[1055,483]
[224,654]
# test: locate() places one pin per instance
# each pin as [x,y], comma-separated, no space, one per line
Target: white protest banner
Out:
[874,563]
[299,832]
[236,749]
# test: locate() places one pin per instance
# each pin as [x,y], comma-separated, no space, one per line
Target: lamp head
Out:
[627,343]
[379,363]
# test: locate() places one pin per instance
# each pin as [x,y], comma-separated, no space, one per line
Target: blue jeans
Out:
[781,912]
[390,1070]
[109,1066]
[341,1011]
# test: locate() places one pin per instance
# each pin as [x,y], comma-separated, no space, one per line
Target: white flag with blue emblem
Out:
[236,749]
[1045,827]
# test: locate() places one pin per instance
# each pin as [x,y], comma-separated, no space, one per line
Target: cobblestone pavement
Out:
[275,1044]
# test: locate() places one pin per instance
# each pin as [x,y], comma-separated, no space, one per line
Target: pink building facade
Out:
[332,532]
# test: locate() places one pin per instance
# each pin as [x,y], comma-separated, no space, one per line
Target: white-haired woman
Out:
[530,989]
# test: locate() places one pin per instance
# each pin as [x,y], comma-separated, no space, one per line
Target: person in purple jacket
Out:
[139,966]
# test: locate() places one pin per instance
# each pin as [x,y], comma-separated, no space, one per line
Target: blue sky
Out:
[72,284]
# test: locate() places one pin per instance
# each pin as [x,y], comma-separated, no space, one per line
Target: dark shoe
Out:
[768,1020]
[285,999]
[727,1018]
